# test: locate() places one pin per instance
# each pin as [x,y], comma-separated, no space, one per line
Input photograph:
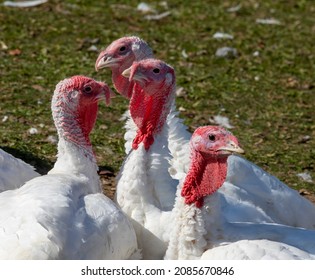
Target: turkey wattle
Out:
[247,186]
[119,56]
[200,225]
[145,190]
[64,215]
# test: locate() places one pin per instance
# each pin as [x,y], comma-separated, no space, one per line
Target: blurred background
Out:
[247,65]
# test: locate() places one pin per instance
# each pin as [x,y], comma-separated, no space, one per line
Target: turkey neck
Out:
[149,112]
[205,176]
[122,84]
[197,208]
[75,154]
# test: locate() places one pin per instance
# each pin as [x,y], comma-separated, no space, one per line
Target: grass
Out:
[269,98]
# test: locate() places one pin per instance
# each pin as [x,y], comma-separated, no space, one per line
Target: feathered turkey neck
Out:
[149,111]
[206,175]
[73,125]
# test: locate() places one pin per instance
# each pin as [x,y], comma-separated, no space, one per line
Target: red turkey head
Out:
[210,148]
[214,140]
[152,95]
[77,98]
[119,56]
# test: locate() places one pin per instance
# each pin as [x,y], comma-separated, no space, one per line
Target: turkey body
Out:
[145,191]
[202,226]
[253,194]
[64,215]
[14,172]
[56,217]
[141,197]
[256,250]
[271,200]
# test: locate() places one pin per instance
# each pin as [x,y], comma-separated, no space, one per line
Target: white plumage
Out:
[57,217]
[205,230]
[254,193]
[14,172]
[64,215]
[205,233]
[145,190]
[139,180]
[246,183]
[136,195]
[256,250]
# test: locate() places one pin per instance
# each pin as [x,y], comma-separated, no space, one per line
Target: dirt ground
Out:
[108,183]
[308,195]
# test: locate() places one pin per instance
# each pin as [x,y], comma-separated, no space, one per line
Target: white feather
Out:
[56,217]
[205,233]
[131,131]
[252,193]
[146,192]
[251,206]
[64,215]
[256,250]
[14,172]
[178,144]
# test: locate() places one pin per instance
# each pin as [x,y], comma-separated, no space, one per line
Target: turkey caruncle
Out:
[247,186]
[64,214]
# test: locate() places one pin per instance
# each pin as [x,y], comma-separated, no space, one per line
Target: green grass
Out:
[270,99]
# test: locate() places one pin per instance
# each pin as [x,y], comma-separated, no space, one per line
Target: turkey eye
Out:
[123,48]
[156,70]
[212,137]
[87,89]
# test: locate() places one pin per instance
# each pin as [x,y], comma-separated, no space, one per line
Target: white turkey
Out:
[14,172]
[200,228]
[64,215]
[119,56]
[145,191]
[246,184]
[143,179]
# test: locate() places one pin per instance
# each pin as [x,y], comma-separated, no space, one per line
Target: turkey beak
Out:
[130,73]
[127,73]
[133,74]
[231,147]
[104,61]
